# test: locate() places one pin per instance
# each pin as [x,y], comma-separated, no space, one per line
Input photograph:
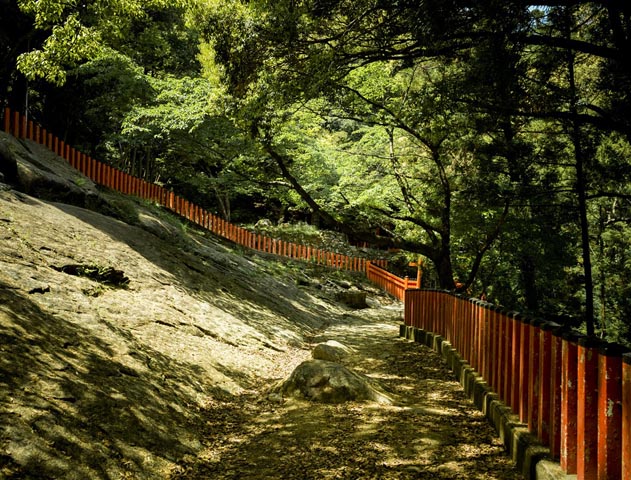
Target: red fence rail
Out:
[103,174]
[573,392]
[389,282]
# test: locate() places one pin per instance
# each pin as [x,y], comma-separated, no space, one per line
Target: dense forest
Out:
[491,138]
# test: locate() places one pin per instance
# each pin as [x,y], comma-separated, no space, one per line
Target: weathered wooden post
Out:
[492,336]
[626,416]
[556,361]
[515,383]
[587,395]
[475,320]
[569,402]
[16,124]
[534,379]
[507,356]
[524,379]
[473,328]
[545,385]
[610,412]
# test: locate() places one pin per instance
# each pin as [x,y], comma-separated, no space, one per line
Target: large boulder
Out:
[331,351]
[8,162]
[329,382]
[37,171]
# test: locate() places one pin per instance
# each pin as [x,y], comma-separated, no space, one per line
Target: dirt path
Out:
[430,431]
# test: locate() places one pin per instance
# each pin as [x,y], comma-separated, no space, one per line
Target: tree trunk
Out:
[445,271]
[528,274]
[581,190]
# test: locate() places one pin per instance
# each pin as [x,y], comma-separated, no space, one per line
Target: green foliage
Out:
[468,133]
[77,33]
[68,44]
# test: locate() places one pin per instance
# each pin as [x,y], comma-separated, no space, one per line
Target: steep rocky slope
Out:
[135,346]
[115,336]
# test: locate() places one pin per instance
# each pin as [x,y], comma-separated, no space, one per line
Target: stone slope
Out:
[100,380]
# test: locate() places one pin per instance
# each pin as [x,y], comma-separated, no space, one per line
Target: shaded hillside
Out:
[135,346]
[115,337]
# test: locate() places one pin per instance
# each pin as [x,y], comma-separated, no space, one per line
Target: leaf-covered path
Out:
[430,431]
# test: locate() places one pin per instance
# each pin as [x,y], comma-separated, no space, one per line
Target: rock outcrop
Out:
[330,351]
[330,382]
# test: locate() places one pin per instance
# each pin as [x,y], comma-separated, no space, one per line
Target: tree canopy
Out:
[491,138]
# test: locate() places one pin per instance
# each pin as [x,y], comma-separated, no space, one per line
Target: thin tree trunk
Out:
[581,187]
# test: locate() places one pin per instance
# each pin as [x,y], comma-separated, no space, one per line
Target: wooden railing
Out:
[102,174]
[389,282]
[573,392]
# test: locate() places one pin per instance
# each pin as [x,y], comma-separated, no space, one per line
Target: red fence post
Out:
[587,395]
[610,412]
[524,369]
[556,361]
[544,375]
[484,339]
[475,331]
[626,417]
[534,380]
[468,317]
[105,175]
[507,357]
[569,402]
[16,124]
[439,314]
[515,383]
[498,361]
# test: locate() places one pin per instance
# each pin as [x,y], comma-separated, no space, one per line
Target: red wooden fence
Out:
[573,392]
[389,282]
[102,174]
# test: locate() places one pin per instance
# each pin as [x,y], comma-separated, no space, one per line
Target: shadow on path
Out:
[431,430]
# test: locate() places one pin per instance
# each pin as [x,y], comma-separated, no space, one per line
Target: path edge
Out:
[531,458]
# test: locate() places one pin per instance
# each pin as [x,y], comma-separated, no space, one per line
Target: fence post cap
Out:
[589,342]
[549,326]
[626,358]
[613,350]
[571,336]
[523,318]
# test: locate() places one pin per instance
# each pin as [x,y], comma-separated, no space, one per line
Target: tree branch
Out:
[490,238]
